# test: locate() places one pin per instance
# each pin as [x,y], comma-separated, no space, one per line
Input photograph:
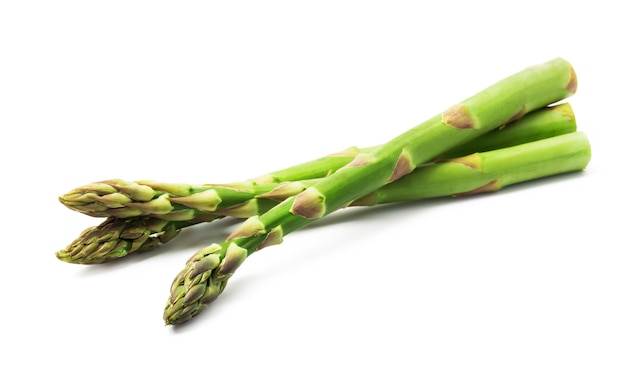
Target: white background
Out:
[517,289]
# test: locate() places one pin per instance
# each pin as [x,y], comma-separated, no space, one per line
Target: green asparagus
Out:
[472,174]
[181,202]
[117,237]
[206,273]
[488,171]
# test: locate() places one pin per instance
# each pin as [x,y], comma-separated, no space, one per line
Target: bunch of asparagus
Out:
[513,131]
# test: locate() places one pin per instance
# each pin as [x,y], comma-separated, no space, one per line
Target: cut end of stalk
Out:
[252,226]
[572,84]
[458,116]
[310,204]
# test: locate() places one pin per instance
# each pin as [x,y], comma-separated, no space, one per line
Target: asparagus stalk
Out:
[206,273]
[544,123]
[487,171]
[117,237]
[472,174]
[184,202]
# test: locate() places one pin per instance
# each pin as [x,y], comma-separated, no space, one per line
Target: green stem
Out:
[117,237]
[182,202]
[487,171]
[207,272]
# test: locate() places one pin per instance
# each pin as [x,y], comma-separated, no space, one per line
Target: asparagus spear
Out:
[206,273]
[487,171]
[117,237]
[472,174]
[183,202]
